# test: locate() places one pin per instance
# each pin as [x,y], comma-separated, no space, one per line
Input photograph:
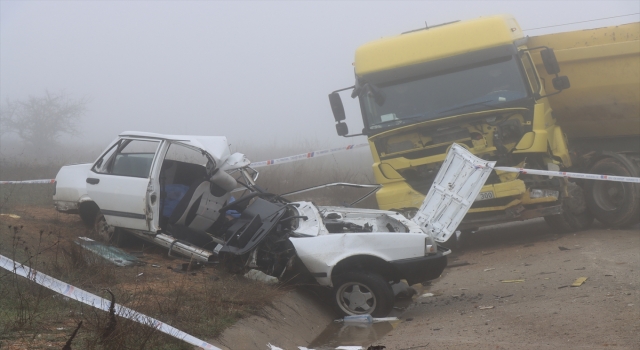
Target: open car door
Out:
[119,183]
[454,189]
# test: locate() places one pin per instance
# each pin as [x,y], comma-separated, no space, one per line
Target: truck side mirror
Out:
[342,129]
[550,62]
[561,82]
[337,108]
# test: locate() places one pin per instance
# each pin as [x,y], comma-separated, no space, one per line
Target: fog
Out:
[256,72]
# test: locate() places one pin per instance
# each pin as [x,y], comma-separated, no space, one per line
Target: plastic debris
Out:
[13,216]
[489,269]
[114,255]
[578,282]
[512,281]
[426,295]
[485,307]
[273,347]
[260,276]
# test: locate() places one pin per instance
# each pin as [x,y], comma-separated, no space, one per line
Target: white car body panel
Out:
[321,254]
[70,187]
[454,189]
[124,196]
[320,250]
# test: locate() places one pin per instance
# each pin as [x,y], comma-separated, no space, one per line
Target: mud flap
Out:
[454,189]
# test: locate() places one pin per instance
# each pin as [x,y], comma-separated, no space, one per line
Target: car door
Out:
[120,183]
[454,189]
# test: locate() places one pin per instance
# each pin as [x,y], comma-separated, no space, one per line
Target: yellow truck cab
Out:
[484,85]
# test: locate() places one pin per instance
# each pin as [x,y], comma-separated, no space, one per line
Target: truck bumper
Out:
[423,269]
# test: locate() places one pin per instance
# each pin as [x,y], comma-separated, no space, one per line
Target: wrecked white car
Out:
[175,191]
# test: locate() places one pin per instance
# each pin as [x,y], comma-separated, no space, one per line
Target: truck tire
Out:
[575,214]
[615,204]
[360,293]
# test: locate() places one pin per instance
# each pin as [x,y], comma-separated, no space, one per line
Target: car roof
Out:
[216,146]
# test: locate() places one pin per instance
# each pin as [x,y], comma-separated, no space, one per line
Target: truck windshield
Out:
[439,95]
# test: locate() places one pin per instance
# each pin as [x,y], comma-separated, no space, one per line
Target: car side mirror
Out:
[337,107]
[561,82]
[342,129]
[550,62]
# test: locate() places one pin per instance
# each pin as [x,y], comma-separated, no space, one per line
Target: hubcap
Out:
[356,298]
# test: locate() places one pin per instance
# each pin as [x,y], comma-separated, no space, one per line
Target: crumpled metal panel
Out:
[454,189]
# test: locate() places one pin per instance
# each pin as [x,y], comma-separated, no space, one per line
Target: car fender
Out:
[322,253]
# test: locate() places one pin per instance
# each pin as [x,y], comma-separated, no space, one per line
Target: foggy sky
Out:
[256,72]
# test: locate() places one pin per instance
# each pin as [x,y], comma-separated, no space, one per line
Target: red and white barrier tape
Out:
[303,156]
[45,181]
[325,152]
[569,175]
[97,302]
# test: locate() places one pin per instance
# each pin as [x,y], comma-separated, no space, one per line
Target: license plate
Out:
[483,196]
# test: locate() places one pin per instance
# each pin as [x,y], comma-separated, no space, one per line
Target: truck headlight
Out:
[535,193]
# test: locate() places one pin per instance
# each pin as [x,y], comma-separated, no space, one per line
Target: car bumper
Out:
[423,269]
[66,207]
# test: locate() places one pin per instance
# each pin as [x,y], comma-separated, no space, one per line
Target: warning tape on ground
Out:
[308,155]
[97,302]
[44,181]
[569,175]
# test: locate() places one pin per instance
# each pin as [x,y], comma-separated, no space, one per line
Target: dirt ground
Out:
[471,306]
[475,307]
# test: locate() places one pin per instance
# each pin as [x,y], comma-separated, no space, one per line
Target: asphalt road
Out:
[476,307]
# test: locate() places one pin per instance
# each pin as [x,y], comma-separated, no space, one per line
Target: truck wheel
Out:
[575,215]
[359,293]
[615,204]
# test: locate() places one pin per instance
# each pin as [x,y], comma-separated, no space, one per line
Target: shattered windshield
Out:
[436,96]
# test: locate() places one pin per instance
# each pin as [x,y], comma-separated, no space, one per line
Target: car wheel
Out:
[102,230]
[360,293]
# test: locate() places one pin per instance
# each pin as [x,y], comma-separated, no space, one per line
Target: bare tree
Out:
[41,120]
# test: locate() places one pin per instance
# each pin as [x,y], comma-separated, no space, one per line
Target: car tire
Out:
[360,293]
[88,213]
[102,230]
[575,214]
[615,204]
